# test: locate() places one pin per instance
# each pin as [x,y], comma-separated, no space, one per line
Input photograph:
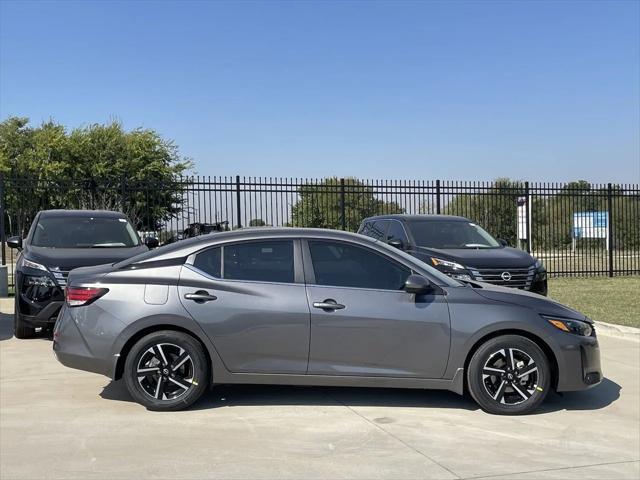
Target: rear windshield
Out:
[84,232]
[451,234]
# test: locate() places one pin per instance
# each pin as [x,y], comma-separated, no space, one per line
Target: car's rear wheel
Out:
[166,370]
[20,328]
[509,375]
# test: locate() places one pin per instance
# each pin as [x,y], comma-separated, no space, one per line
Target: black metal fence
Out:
[575,228]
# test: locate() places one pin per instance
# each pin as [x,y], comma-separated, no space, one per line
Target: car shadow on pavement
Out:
[6,326]
[6,329]
[595,398]
[272,395]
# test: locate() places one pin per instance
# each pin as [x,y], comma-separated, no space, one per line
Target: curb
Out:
[620,331]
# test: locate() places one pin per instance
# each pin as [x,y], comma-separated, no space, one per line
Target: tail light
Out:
[80,296]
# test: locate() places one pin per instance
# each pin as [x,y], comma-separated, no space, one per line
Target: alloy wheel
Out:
[510,376]
[165,371]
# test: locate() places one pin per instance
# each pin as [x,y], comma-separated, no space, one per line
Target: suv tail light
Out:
[80,296]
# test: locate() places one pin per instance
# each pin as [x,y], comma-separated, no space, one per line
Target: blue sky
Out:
[453,90]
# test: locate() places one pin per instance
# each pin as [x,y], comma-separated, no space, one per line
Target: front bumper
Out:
[38,305]
[578,363]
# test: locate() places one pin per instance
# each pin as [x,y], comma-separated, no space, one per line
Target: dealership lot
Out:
[61,423]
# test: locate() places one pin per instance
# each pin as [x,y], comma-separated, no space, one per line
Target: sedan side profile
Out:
[315,307]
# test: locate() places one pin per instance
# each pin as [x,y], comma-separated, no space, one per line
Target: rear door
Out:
[249,297]
[363,324]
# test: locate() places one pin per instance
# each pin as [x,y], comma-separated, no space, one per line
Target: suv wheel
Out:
[509,375]
[20,328]
[166,370]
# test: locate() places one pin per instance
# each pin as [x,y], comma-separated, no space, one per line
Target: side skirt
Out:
[456,384]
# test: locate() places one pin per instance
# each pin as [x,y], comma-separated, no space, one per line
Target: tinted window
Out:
[84,232]
[346,265]
[451,234]
[374,228]
[269,261]
[209,262]
[396,232]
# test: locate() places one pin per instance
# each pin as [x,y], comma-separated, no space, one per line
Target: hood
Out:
[70,258]
[503,257]
[538,303]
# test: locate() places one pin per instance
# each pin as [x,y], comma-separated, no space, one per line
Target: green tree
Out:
[495,208]
[98,166]
[320,204]
[257,222]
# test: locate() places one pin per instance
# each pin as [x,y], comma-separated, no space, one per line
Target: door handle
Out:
[200,296]
[328,305]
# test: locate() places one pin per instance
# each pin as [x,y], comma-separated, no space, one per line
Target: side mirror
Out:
[417,284]
[151,242]
[503,242]
[15,242]
[397,243]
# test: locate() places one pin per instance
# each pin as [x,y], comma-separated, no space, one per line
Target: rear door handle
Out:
[328,305]
[200,296]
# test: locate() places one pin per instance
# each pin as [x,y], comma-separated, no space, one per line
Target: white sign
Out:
[590,225]
[522,218]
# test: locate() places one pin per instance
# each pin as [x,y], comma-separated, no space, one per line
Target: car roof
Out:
[414,217]
[185,247]
[81,213]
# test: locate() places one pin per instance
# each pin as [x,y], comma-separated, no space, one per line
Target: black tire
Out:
[173,346]
[20,328]
[502,388]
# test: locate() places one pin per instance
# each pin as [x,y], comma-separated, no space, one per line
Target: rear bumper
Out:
[72,350]
[579,364]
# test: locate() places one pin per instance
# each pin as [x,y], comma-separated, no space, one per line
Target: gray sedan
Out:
[315,307]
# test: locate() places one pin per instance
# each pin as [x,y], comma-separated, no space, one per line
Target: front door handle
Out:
[200,296]
[328,305]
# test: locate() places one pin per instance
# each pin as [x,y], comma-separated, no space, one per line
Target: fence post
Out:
[610,227]
[527,209]
[3,238]
[238,214]
[438,197]
[343,220]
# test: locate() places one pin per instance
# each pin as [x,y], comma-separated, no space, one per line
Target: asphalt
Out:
[62,423]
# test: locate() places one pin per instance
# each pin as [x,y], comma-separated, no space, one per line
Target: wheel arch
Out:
[544,346]
[131,341]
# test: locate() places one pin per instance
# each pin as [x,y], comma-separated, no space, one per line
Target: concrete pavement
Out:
[62,423]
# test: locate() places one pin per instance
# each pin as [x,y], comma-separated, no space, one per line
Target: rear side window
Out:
[210,262]
[268,261]
[346,265]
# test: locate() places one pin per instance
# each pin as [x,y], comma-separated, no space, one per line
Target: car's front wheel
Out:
[509,375]
[166,370]
[20,328]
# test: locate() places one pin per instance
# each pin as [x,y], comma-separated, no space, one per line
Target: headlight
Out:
[571,326]
[30,264]
[43,281]
[538,265]
[446,264]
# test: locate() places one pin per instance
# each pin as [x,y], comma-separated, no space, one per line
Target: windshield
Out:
[451,234]
[84,232]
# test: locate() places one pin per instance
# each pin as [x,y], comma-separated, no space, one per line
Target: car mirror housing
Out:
[503,242]
[417,284]
[151,242]
[15,242]
[397,243]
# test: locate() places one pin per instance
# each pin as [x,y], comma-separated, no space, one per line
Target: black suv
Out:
[459,248]
[58,241]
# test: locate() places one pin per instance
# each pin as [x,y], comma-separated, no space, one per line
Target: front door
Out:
[363,324]
[251,305]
